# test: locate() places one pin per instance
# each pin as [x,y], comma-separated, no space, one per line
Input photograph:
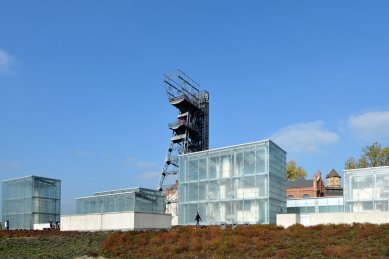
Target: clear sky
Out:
[82,97]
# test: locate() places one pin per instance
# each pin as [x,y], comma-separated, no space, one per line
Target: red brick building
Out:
[306,188]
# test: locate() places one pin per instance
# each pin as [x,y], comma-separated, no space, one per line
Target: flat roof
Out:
[233,146]
[32,176]
[118,191]
[316,198]
[366,168]
[299,183]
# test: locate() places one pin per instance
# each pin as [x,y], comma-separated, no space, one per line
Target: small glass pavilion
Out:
[315,205]
[366,189]
[132,199]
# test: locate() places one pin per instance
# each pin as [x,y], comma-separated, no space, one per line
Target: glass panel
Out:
[310,209]
[121,204]
[249,209]
[213,190]
[202,191]
[261,181]
[247,188]
[226,189]
[183,214]
[367,205]
[262,211]
[183,171]
[335,208]
[381,205]
[353,206]
[203,169]
[239,164]
[382,187]
[260,160]
[293,210]
[238,211]
[214,167]
[226,212]
[226,166]
[193,192]
[183,193]
[249,162]
[323,209]
[193,171]
[213,213]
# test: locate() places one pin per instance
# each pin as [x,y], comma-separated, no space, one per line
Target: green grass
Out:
[45,244]
[257,241]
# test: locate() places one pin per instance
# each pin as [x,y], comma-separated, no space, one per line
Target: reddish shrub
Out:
[338,251]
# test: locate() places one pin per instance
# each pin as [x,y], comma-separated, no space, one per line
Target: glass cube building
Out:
[366,189]
[243,184]
[30,200]
[315,205]
[132,199]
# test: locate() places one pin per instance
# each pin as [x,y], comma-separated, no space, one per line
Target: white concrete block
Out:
[373,217]
[116,221]
[287,220]
[41,226]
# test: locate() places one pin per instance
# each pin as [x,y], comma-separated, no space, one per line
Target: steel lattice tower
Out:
[190,132]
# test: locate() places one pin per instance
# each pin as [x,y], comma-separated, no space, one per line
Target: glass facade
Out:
[315,205]
[366,189]
[134,199]
[239,184]
[30,200]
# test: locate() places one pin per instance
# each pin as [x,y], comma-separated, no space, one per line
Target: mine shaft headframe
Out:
[179,84]
[190,131]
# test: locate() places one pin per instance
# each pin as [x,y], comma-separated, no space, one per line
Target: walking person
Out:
[197,218]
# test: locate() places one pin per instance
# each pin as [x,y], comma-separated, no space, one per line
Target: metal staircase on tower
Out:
[190,131]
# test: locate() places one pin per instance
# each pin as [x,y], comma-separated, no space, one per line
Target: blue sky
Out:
[82,98]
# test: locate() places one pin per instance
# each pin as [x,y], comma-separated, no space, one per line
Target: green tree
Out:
[351,163]
[372,156]
[294,172]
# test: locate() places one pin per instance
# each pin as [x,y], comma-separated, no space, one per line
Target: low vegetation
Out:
[342,241]
[49,244]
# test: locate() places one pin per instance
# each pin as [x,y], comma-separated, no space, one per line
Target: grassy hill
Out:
[358,240]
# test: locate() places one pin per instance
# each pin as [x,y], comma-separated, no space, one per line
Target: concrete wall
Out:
[41,226]
[174,220]
[152,221]
[287,220]
[115,221]
[312,219]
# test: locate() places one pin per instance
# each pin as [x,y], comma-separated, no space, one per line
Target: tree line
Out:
[372,156]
